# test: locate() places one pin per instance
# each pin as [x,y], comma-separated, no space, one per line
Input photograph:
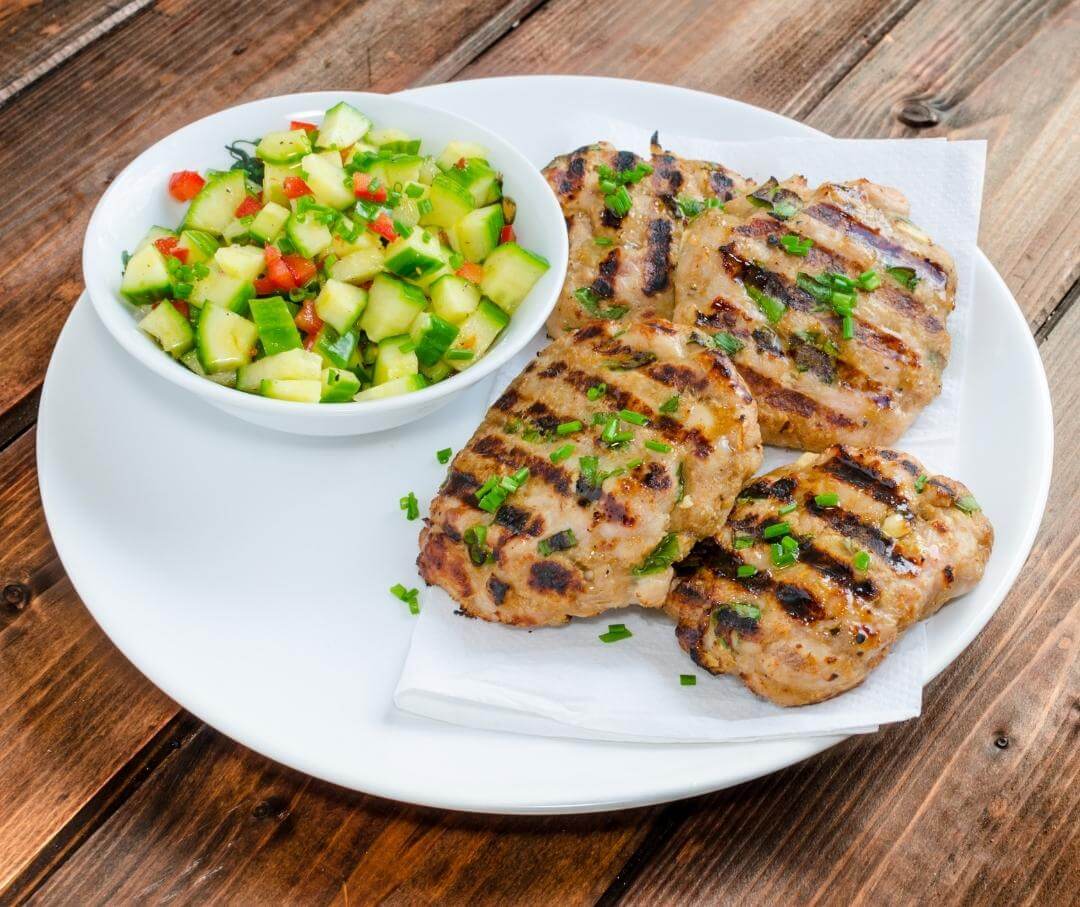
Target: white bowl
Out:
[138,199]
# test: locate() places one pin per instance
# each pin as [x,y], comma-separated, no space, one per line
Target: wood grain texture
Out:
[218,823]
[172,64]
[37,37]
[61,736]
[1006,71]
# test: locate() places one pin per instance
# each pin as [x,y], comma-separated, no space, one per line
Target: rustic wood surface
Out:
[109,792]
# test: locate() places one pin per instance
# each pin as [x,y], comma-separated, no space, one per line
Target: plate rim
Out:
[786,752]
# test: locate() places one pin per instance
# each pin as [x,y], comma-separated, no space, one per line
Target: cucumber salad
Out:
[334,263]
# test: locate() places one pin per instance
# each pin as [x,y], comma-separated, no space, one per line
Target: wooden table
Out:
[111,792]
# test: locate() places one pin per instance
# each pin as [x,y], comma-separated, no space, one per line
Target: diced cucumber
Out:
[394,362]
[509,273]
[199,245]
[405,385]
[340,304]
[334,348]
[358,267]
[425,282]
[342,126]
[477,333]
[450,201]
[274,182]
[269,222]
[224,339]
[480,180]
[223,290]
[153,235]
[327,181]
[225,379]
[365,239]
[432,336]
[393,140]
[309,236]
[401,168]
[477,233]
[297,364]
[277,330]
[437,372]
[292,389]
[455,151]
[392,306]
[339,385]
[414,255]
[213,209]
[284,147]
[237,230]
[146,276]
[243,262]
[169,328]
[454,298]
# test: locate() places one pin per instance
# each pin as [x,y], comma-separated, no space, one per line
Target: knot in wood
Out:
[1002,743]
[918,114]
[16,596]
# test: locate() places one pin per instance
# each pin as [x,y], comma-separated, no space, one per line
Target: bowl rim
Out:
[118,320]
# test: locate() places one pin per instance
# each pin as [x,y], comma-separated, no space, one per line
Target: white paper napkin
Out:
[564,681]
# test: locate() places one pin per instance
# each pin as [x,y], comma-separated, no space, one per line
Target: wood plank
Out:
[1006,71]
[783,56]
[978,801]
[61,736]
[172,64]
[247,830]
[35,38]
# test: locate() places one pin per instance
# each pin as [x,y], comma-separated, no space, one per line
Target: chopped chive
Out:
[424,206]
[788,508]
[920,483]
[596,391]
[868,280]
[634,464]
[847,327]
[729,343]
[409,596]
[742,541]
[619,202]
[687,680]
[521,476]
[603,240]
[796,245]
[628,415]
[410,505]
[906,277]
[487,486]
[789,545]
[443,456]
[968,504]
[530,435]
[560,541]
[475,538]
[459,354]
[775,530]
[861,561]
[591,303]
[781,557]
[658,446]
[615,633]
[670,405]
[414,191]
[829,499]
[568,428]
[773,309]
[557,456]
[745,570]
[661,557]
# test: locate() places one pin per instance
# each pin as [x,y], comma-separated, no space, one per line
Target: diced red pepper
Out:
[250,205]
[471,271]
[167,246]
[308,320]
[300,124]
[265,286]
[184,185]
[361,182]
[461,163]
[507,234]
[301,268]
[295,187]
[383,226]
[182,307]
[277,271]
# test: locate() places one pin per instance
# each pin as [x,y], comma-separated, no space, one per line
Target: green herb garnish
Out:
[410,505]
[560,541]
[906,277]
[670,405]
[968,504]
[615,632]
[772,308]
[729,343]
[796,245]
[409,596]
[591,303]
[829,499]
[661,557]
[687,680]
[557,456]
[443,456]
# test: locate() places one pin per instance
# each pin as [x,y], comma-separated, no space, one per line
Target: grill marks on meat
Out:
[633,267]
[617,513]
[813,387]
[820,625]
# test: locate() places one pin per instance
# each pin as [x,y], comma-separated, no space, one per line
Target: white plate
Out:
[245,571]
